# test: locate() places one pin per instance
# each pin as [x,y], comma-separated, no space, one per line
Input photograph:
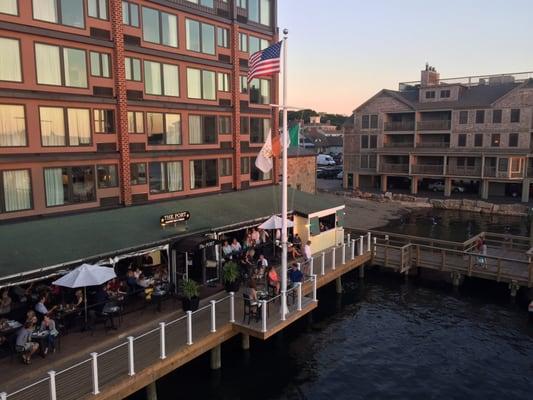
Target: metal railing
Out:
[433,144]
[400,126]
[464,171]
[403,168]
[427,169]
[392,145]
[438,125]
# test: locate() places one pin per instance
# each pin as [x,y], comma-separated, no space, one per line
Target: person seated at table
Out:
[137,272]
[273,279]
[30,315]
[262,264]
[161,274]
[248,242]
[147,260]
[291,248]
[264,235]
[5,302]
[24,344]
[227,251]
[113,289]
[100,298]
[295,275]
[256,237]
[41,308]
[143,281]
[131,282]
[78,299]
[236,247]
[297,241]
[251,291]
[48,324]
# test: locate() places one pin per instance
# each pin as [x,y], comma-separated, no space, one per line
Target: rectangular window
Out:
[245,126]
[130,14]
[200,37]
[256,44]
[12,126]
[259,11]
[69,185]
[163,128]
[480,116]
[515,115]
[241,3]
[60,66]
[430,94]
[133,69]
[245,165]
[374,122]
[496,116]
[203,173]
[165,177]
[495,140]
[161,79]
[365,122]
[97,9]
[205,3]
[461,140]
[58,128]
[64,12]
[243,42]
[444,94]
[259,91]
[223,82]
[100,64]
[16,187]
[463,117]
[259,128]
[201,84]
[159,27]
[513,140]
[138,174]
[478,140]
[9,7]
[503,165]
[10,67]
[373,141]
[257,175]
[364,141]
[244,84]
[222,37]
[224,125]
[107,176]
[202,129]
[135,122]
[104,121]
[225,167]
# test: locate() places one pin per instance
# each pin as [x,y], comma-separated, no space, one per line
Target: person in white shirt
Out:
[226,249]
[307,251]
[236,246]
[256,237]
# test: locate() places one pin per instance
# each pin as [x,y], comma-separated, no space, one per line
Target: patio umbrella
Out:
[274,223]
[86,275]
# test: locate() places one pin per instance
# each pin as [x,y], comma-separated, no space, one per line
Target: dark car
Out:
[328,173]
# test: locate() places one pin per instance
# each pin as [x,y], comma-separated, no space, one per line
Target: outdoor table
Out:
[41,337]
[110,311]
[158,295]
[64,315]
[10,327]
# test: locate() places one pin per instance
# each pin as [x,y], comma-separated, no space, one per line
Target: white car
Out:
[324,159]
[340,175]
[439,187]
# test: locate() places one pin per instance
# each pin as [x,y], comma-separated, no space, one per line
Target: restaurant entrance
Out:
[197,258]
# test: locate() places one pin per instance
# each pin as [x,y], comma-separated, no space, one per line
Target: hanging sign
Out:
[180,216]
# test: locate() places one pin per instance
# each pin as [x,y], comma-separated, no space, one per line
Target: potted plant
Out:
[231,276]
[190,300]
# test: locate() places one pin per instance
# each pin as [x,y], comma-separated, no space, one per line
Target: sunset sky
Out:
[342,52]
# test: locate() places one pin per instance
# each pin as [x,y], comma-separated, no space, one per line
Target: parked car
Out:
[324,159]
[328,173]
[439,187]
[340,175]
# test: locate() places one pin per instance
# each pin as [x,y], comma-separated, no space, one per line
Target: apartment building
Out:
[105,103]
[469,134]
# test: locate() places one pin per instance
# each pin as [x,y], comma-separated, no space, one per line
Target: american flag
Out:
[265,62]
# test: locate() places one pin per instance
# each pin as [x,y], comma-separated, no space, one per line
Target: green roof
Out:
[51,241]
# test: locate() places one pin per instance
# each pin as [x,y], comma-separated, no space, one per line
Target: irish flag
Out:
[271,149]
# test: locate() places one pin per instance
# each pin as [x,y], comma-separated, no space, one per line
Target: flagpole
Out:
[284,196]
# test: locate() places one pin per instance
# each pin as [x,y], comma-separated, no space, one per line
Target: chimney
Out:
[429,76]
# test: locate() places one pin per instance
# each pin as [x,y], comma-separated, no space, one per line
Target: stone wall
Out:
[302,173]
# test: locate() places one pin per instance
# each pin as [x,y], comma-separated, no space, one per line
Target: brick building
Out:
[301,166]
[107,102]
[472,134]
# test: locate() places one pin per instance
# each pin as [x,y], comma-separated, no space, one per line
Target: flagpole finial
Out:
[285,31]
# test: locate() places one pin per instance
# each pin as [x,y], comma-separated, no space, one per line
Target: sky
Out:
[342,52]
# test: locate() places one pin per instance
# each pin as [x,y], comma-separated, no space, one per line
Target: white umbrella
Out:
[275,222]
[86,275]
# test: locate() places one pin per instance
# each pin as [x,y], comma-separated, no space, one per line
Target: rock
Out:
[470,205]
[421,199]
[388,195]
[438,204]
[484,207]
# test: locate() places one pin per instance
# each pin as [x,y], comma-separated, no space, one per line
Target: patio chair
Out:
[249,310]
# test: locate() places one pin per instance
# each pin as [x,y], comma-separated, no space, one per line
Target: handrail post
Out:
[232,307]
[131,361]
[344,253]
[348,238]
[352,250]
[283,305]
[314,278]
[213,316]
[53,392]
[323,267]
[368,235]
[333,261]
[361,244]
[94,357]
[263,316]
[312,265]
[189,327]
[375,251]
[3,396]
[299,308]
[162,343]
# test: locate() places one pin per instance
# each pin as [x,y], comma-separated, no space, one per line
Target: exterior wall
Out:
[302,173]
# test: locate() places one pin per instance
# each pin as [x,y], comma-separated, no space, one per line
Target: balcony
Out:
[400,126]
[428,169]
[464,171]
[437,125]
[403,145]
[433,144]
[394,168]
[219,7]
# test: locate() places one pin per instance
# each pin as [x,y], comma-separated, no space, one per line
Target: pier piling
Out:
[151,391]
[338,285]
[216,357]
[245,341]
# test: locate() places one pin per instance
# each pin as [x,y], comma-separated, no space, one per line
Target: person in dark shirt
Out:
[295,275]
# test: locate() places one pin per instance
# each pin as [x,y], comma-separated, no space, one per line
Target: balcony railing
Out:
[398,168]
[464,171]
[432,144]
[398,144]
[489,171]
[443,125]
[400,126]
[428,169]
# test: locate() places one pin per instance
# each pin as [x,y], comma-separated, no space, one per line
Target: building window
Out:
[463,117]
[138,173]
[15,190]
[513,140]
[480,116]
[495,140]
[444,94]
[160,27]
[60,66]
[430,94]
[12,126]
[245,165]
[161,79]
[245,126]
[97,9]
[241,4]
[259,91]
[364,141]
[100,64]
[243,87]
[225,167]
[135,122]
[104,121]
[64,12]
[243,42]
[65,127]
[259,128]
[130,14]
[200,37]
[259,11]
[478,140]
[69,185]
[515,115]
[107,176]
[224,125]
[163,128]
[201,84]
[373,141]
[374,121]
[10,67]
[257,175]
[133,69]
[223,82]
[202,129]
[9,7]
[256,44]
[222,37]
[203,173]
[496,116]
[365,122]
[461,140]
[205,3]
[166,177]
